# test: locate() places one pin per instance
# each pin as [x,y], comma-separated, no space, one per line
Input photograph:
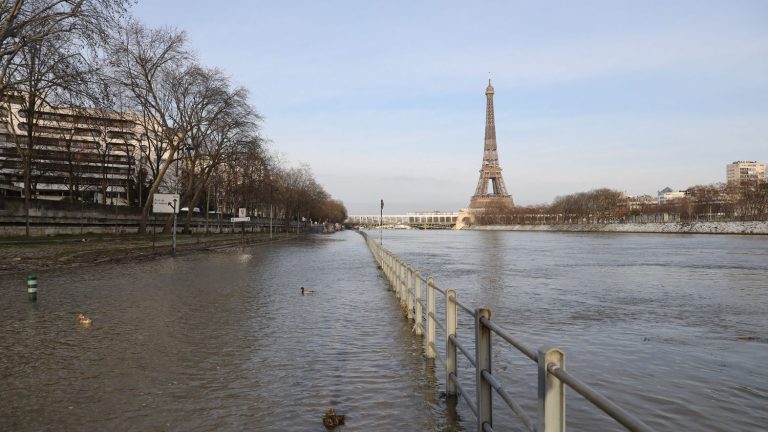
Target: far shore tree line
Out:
[200,136]
[718,202]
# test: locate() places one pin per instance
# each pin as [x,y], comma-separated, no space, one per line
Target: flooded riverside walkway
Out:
[215,342]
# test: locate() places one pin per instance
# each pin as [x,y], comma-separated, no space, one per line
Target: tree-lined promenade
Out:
[186,128]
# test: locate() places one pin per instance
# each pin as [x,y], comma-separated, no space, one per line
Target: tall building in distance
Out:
[745,172]
[491,191]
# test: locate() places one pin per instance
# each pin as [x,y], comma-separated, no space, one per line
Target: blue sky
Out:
[385,99]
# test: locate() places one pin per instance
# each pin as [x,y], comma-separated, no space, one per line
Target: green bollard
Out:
[32,288]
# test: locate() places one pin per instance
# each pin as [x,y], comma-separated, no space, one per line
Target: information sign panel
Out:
[240,219]
[164,203]
[241,212]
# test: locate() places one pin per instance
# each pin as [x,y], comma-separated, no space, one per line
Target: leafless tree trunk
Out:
[146,64]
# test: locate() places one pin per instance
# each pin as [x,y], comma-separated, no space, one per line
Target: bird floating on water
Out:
[307,291]
[331,419]
[84,320]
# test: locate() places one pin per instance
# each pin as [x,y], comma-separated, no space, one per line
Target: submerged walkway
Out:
[216,341]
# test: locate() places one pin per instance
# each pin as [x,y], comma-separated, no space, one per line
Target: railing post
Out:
[431,311]
[450,347]
[403,271]
[409,298]
[483,363]
[400,281]
[551,392]
[393,283]
[419,314]
[385,265]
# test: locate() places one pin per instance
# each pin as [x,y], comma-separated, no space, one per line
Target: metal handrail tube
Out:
[511,339]
[508,399]
[438,289]
[423,306]
[433,286]
[466,309]
[463,351]
[423,278]
[626,419]
[404,280]
[438,356]
[463,394]
[419,328]
[436,321]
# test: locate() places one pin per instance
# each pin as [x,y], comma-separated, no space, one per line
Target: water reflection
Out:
[215,342]
[225,342]
[491,277]
[652,321]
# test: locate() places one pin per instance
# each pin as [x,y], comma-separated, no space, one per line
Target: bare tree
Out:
[148,64]
[220,123]
[40,72]
[27,23]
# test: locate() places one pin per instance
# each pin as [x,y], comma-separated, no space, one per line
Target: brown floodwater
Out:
[673,328]
[215,342]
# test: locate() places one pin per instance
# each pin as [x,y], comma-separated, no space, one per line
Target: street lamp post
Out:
[381,222]
[272,191]
[175,210]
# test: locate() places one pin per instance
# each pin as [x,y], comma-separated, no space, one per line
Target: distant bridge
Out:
[417,219]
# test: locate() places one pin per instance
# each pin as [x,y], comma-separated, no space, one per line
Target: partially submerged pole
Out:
[32,288]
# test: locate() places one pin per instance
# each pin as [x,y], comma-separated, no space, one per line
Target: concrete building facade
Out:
[84,154]
[740,172]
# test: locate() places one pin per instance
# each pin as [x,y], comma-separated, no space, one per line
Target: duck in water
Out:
[84,320]
[307,292]
[331,419]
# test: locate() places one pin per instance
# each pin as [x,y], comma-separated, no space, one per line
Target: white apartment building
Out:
[86,154]
[740,172]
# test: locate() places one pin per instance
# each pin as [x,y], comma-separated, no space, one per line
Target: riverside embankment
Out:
[21,254]
[661,228]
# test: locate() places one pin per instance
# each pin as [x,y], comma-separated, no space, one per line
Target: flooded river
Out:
[673,328]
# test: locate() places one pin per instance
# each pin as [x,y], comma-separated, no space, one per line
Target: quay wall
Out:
[669,228]
[59,217]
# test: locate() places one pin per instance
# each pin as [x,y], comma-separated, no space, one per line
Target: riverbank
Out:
[759,228]
[21,254]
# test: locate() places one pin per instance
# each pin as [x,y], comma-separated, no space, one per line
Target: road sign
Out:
[241,212]
[240,219]
[164,203]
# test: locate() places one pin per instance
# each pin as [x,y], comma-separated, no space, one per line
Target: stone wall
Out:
[62,217]
[671,228]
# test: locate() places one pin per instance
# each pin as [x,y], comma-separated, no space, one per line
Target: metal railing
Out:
[406,282]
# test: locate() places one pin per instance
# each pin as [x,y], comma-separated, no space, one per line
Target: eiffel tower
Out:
[490,192]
